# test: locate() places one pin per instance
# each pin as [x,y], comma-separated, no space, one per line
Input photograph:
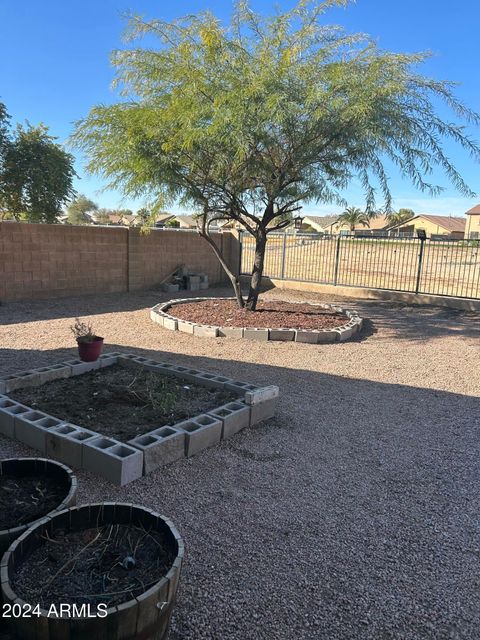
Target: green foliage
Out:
[247,121]
[397,217]
[78,209]
[36,174]
[353,216]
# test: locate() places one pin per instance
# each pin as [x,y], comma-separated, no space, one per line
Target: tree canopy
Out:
[36,173]
[250,120]
[79,208]
[354,217]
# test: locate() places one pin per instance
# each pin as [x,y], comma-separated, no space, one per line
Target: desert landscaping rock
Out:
[350,514]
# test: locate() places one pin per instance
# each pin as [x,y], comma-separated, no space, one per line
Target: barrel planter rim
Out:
[175,566]
[67,502]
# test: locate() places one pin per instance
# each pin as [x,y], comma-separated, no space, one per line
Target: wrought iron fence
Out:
[441,267]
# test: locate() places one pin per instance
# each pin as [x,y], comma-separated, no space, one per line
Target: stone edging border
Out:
[159,314]
[121,462]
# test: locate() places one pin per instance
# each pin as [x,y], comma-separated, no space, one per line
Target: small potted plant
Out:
[89,345]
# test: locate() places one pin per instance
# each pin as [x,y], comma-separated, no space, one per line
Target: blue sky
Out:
[54,65]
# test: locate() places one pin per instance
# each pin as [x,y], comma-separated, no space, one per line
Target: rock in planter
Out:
[154,560]
[17,477]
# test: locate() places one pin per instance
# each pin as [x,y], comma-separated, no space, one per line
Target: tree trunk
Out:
[233,278]
[257,272]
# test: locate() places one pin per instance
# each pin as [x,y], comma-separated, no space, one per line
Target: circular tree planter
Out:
[34,488]
[88,541]
[164,315]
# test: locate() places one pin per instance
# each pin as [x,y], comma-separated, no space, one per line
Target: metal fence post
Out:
[420,262]
[283,254]
[240,252]
[337,260]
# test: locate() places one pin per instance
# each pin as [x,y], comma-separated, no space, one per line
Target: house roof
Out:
[380,222]
[186,220]
[449,223]
[474,211]
[321,221]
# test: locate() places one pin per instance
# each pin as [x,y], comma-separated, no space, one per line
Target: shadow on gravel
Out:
[352,514]
[402,321]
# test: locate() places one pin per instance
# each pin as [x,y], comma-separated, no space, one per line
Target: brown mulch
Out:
[269,314]
[122,403]
[109,565]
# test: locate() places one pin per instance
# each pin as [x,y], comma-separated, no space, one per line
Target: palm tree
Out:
[397,217]
[353,216]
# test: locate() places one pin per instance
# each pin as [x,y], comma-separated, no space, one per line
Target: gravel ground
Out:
[352,514]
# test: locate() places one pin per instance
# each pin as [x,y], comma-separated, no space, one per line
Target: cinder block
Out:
[286,335]
[303,335]
[326,336]
[261,394]
[157,317]
[108,359]
[344,333]
[193,286]
[230,332]
[8,410]
[210,380]
[55,372]
[240,387]
[60,445]
[263,410]
[203,285]
[22,380]
[117,462]
[77,367]
[205,331]
[193,279]
[170,323]
[234,416]
[200,432]
[186,327]
[32,427]
[160,447]
[260,335]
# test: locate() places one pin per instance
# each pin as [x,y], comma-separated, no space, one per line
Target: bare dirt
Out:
[269,314]
[27,498]
[122,403]
[108,565]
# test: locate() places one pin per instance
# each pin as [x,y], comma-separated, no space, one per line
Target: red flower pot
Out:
[90,351]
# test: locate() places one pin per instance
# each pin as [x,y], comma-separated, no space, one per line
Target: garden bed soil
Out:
[122,403]
[109,565]
[270,314]
[24,499]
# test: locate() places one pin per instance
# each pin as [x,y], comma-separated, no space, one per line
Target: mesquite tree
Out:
[248,121]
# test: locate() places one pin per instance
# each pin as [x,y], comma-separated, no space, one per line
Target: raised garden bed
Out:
[124,415]
[123,403]
[31,488]
[124,557]
[273,320]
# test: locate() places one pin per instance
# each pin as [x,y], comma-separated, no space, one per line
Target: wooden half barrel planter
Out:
[13,472]
[97,534]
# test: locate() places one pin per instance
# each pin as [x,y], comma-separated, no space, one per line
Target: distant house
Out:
[472,231]
[330,225]
[449,226]
[162,219]
[320,224]
[185,221]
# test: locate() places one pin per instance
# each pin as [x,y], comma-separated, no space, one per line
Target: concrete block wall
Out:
[46,261]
